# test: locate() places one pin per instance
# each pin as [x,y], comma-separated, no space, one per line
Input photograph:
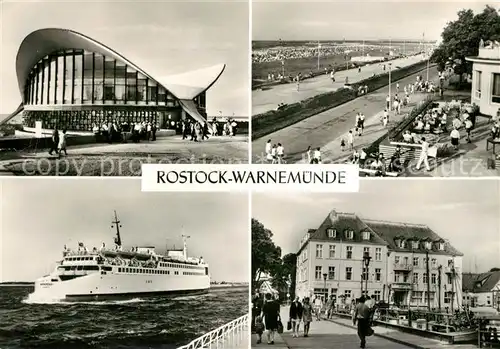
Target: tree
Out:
[266,256]
[461,38]
[284,275]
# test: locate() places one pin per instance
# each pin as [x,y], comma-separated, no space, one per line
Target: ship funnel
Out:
[184,241]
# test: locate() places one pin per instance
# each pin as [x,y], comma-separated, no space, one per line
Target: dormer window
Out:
[415,244]
[428,245]
[366,235]
[332,233]
[397,241]
[402,243]
[441,246]
[349,234]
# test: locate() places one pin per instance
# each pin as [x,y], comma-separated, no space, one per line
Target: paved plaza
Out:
[125,159]
[326,129]
[268,99]
[339,333]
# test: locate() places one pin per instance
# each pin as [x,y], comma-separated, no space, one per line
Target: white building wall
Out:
[338,285]
[482,88]
[416,295]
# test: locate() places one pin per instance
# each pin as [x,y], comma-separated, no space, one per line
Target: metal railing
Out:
[231,335]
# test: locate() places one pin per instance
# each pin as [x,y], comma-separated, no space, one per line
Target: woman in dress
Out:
[271,315]
[307,311]
[62,143]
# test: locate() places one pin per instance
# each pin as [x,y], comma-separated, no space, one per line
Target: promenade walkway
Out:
[325,129]
[269,98]
[339,333]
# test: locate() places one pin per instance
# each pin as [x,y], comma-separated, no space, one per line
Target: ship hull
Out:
[124,296]
[98,286]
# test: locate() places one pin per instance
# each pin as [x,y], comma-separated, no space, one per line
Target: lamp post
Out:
[325,289]
[366,263]
[390,96]
[319,48]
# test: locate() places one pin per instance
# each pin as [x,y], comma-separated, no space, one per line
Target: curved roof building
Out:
[69,80]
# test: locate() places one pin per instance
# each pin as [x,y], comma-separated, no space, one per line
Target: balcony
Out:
[401,286]
[489,53]
[402,267]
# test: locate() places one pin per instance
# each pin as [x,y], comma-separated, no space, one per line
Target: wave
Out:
[33,299]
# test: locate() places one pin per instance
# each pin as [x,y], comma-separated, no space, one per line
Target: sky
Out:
[162,38]
[355,20]
[40,216]
[465,212]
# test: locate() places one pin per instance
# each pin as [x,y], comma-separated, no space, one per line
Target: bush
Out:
[274,120]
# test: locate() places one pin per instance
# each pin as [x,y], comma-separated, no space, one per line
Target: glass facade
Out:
[77,77]
[84,120]
[90,89]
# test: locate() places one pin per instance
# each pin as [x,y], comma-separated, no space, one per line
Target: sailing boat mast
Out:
[116,222]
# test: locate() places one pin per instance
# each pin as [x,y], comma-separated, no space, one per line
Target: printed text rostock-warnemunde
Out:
[251,177]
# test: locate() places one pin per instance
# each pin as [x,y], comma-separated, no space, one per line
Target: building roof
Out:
[477,283]
[391,231]
[381,233]
[43,42]
[342,222]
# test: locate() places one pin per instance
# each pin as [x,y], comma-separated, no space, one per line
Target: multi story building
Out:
[331,261]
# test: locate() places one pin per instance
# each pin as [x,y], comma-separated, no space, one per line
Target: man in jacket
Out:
[295,316]
[361,316]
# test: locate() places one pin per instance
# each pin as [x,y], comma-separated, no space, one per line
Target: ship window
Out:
[90,267]
[54,280]
[107,268]
[73,267]
[119,270]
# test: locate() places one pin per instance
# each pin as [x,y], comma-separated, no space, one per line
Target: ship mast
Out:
[184,241]
[116,222]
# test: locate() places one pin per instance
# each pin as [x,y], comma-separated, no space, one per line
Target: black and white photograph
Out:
[98,88]
[398,265]
[401,88]
[99,264]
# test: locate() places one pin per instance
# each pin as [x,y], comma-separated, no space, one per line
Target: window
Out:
[350,234]
[317,273]
[396,259]
[447,297]
[441,246]
[415,278]
[348,252]
[434,262]
[433,279]
[366,235]
[477,84]
[402,243]
[377,295]
[416,296]
[428,245]
[332,233]
[331,273]
[366,250]
[319,251]
[425,278]
[348,273]
[378,274]
[405,261]
[378,254]
[347,294]
[415,244]
[332,251]
[495,95]
[364,274]
[448,279]
[415,261]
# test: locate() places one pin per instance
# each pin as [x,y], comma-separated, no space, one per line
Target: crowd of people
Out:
[302,312]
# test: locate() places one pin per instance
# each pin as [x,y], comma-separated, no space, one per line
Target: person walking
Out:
[307,311]
[424,155]
[455,138]
[271,315]
[55,141]
[296,316]
[361,318]
[350,140]
[318,305]
[62,143]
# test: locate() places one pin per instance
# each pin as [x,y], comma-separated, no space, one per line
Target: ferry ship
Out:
[104,273]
